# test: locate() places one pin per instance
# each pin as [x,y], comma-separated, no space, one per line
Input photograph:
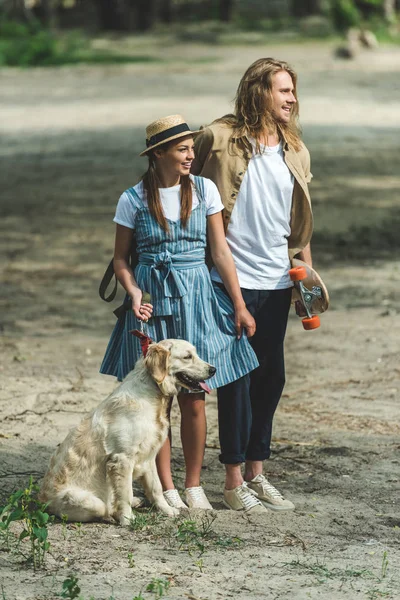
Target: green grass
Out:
[29,45]
[323,574]
[192,535]
[93,57]
[71,589]
[197,536]
[146,519]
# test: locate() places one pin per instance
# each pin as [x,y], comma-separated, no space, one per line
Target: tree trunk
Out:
[306,8]
[389,10]
[113,15]
[165,11]
[145,14]
[16,9]
[225,10]
[48,13]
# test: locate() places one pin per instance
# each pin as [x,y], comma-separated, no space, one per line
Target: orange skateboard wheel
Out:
[298,273]
[311,322]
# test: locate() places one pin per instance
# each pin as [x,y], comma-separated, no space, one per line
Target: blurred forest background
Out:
[51,32]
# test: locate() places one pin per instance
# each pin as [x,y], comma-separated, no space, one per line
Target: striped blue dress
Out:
[186,304]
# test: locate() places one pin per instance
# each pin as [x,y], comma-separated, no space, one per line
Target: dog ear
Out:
[166,344]
[156,362]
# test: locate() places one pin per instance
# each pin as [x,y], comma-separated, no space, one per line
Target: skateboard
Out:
[310,293]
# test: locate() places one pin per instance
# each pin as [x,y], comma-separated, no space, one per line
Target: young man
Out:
[261,168]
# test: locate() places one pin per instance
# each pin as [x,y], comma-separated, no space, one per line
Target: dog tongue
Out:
[204,387]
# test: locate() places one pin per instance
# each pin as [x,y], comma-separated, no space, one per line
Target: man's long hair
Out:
[253,114]
[151,184]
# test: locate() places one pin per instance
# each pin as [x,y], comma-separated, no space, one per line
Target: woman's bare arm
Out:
[123,243]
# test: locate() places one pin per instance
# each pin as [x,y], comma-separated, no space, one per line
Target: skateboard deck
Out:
[310,293]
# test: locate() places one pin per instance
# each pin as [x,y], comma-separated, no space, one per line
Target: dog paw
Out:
[136,502]
[125,518]
[125,521]
[170,511]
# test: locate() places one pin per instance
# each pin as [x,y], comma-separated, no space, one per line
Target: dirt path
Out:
[71,139]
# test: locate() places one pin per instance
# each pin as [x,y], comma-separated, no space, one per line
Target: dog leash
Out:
[144,339]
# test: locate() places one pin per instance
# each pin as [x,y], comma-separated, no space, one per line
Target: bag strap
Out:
[110,273]
[105,282]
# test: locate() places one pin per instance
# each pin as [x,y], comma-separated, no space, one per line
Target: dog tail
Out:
[78,505]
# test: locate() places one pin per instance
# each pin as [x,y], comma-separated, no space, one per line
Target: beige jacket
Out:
[224,159]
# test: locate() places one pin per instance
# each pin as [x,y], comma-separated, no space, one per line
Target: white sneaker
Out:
[268,494]
[196,498]
[243,498]
[173,498]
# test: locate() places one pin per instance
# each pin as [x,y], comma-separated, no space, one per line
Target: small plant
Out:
[24,506]
[158,587]
[5,534]
[190,537]
[385,564]
[228,542]
[70,588]
[131,560]
[200,564]
[79,529]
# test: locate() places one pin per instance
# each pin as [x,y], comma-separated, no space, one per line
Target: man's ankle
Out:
[233,476]
[231,484]
[252,469]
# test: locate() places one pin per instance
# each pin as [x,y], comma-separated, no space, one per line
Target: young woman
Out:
[169,214]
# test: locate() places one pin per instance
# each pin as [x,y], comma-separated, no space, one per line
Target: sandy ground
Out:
[70,139]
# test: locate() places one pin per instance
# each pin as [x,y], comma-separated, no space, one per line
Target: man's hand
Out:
[299,308]
[244,320]
[305,255]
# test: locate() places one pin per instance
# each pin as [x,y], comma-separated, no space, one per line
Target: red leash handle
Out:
[144,339]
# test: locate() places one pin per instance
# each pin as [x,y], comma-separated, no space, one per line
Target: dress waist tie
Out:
[166,284]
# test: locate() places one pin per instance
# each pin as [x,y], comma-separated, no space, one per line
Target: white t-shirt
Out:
[128,204]
[260,223]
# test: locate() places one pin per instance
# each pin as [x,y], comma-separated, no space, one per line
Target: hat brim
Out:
[173,137]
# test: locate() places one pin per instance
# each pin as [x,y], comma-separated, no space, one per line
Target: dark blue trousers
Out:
[246,407]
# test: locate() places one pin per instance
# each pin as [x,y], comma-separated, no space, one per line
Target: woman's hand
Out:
[141,311]
[244,320]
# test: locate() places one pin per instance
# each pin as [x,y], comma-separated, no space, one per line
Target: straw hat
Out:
[164,130]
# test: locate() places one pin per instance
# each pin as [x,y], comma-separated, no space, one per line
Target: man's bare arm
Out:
[305,255]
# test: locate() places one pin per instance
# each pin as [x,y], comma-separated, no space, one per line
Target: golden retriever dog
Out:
[90,475]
